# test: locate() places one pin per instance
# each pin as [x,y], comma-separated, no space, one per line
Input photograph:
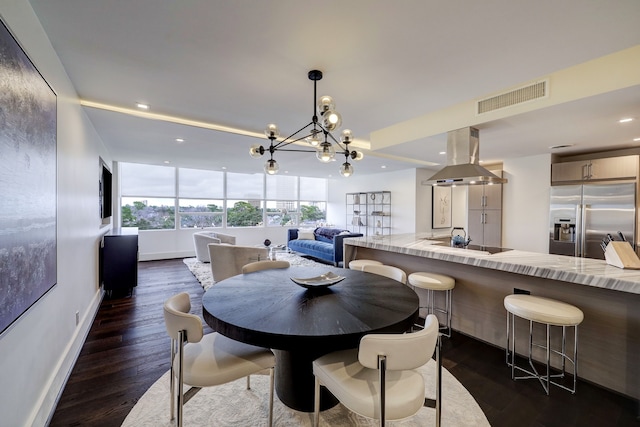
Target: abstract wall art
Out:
[28,215]
[441,204]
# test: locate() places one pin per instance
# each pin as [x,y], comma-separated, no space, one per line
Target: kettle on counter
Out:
[459,240]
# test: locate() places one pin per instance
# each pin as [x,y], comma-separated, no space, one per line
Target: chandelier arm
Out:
[286,140]
[295,149]
[344,147]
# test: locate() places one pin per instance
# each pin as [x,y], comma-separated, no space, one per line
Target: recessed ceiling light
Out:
[442,152]
[142,106]
[224,168]
[636,139]
[383,167]
[179,140]
[166,162]
[286,171]
[626,120]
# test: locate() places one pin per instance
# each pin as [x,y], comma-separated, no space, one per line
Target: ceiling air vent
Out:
[517,96]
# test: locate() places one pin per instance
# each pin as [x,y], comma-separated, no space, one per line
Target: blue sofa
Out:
[326,244]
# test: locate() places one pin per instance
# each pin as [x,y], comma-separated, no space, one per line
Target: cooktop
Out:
[490,249]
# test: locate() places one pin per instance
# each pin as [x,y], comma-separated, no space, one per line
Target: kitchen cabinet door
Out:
[492,228]
[485,196]
[485,227]
[475,226]
[569,171]
[621,167]
[614,168]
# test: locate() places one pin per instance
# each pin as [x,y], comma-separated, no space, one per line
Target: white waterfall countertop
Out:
[583,271]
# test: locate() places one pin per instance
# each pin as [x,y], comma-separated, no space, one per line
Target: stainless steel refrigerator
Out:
[582,216]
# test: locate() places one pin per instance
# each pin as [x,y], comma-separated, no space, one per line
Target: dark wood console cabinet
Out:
[119,261]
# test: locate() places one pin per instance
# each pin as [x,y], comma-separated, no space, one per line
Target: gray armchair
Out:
[228,260]
[202,238]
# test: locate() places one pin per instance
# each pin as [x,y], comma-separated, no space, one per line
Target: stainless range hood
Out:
[463,150]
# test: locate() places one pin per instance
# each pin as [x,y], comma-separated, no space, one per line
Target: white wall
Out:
[525,203]
[402,185]
[167,244]
[37,352]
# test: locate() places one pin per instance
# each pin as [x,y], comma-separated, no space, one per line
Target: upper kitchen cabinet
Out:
[484,218]
[623,167]
[485,196]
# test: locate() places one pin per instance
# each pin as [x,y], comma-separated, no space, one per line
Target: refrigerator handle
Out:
[583,230]
[577,246]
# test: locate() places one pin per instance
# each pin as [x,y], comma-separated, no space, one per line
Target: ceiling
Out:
[205,64]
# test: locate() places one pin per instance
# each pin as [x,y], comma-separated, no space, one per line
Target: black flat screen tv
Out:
[105,193]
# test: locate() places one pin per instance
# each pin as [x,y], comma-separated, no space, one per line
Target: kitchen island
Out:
[609,336]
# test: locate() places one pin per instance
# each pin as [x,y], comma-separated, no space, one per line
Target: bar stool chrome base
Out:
[550,313]
[432,282]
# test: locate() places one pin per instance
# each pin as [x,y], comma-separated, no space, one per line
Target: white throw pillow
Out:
[306,235]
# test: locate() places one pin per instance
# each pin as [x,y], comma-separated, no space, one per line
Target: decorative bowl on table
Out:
[322,281]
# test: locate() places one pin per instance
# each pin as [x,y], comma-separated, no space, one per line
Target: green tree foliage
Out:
[311,213]
[243,214]
[148,217]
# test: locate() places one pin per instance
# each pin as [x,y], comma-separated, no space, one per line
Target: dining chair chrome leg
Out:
[181,341]
[382,372]
[316,404]
[248,382]
[438,380]
[172,382]
[271,380]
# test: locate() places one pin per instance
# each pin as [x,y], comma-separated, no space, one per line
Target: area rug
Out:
[202,270]
[233,405]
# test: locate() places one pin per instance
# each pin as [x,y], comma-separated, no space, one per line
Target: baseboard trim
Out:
[155,256]
[51,395]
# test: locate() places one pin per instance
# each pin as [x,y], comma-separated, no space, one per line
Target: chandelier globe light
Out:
[317,134]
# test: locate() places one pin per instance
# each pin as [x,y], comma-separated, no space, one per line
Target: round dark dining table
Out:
[268,309]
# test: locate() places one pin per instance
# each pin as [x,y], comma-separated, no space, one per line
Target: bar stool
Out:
[358,264]
[432,282]
[551,313]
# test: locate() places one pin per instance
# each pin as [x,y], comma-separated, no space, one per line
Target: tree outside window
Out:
[244,214]
[148,214]
[199,213]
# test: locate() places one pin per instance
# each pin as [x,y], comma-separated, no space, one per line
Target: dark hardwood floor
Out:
[127,350]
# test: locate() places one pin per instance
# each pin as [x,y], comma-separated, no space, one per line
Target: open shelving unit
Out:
[369,213]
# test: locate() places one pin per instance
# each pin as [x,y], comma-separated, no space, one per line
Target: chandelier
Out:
[317,134]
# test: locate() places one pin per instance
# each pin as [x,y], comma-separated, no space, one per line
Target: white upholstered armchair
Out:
[202,238]
[228,260]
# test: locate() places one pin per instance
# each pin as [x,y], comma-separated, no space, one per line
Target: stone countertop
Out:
[583,271]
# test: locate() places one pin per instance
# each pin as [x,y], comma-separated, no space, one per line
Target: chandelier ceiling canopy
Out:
[317,134]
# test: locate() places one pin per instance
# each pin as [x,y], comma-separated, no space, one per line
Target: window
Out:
[201,203]
[244,213]
[313,201]
[245,186]
[148,196]
[282,200]
[201,213]
[311,213]
[159,197]
[148,213]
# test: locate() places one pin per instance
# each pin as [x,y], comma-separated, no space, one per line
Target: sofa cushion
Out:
[306,235]
[326,234]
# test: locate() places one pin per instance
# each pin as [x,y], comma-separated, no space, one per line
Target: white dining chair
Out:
[200,360]
[379,379]
[389,271]
[264,265]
